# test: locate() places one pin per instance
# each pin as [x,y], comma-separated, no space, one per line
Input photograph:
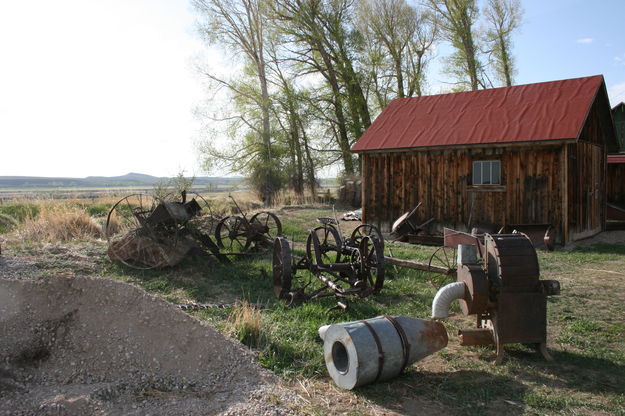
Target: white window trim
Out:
[490,164]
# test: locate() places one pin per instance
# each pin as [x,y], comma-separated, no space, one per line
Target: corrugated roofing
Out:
[616,158]
[524,113]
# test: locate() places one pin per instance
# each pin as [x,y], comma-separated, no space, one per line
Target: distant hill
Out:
[128,180]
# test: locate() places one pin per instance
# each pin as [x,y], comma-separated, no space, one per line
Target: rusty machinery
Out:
[144,231]
[237,232]
[334,266]
[498,281]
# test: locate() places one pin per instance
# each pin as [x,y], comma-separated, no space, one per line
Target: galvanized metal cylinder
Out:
[377,349]
[467,254]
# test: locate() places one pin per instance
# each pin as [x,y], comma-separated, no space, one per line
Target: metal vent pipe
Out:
[444,297]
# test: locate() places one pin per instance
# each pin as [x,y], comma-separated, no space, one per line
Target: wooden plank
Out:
[412,264]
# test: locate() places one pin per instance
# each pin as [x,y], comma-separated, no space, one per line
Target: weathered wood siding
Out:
[616,183]
[531,190]
[586,189]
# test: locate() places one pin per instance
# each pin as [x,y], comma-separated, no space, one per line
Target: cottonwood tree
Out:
[397,40]
[321,42]
[458,22]
[291,115]
[240,26]
[502,18]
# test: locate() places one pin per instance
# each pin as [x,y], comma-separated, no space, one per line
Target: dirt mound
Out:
[97,346]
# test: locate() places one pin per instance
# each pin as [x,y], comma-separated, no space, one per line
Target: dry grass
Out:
[59,224]
[246,323]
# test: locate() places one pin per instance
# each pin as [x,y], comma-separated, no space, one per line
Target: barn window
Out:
[487,172]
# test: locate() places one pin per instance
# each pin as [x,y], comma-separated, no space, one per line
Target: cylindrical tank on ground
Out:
[377,349]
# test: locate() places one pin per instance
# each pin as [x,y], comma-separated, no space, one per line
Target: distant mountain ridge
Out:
[130,179]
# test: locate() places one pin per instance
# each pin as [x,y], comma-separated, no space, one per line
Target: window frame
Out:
[481,164]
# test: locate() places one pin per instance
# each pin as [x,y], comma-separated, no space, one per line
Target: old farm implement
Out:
[144,231]
[238,233]
[498,281]
[332,265]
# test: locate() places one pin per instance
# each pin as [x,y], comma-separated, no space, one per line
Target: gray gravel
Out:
[76,346]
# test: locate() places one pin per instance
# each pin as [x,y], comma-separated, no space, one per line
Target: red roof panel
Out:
[524,113]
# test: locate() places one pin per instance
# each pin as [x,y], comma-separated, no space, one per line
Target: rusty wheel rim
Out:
[281,267]
[442,257]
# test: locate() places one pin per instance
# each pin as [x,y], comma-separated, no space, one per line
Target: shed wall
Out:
[531,190]
[586,189]
[616,183]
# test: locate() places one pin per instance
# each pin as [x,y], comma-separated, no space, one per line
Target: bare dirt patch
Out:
[607,237]
[95,346]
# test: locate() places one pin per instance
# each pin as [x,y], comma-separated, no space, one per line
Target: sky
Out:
[108,87]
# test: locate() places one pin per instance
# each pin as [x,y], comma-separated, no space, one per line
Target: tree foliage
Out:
[502,17]
[311,74]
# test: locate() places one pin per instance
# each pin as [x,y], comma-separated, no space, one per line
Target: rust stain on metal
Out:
[434,336]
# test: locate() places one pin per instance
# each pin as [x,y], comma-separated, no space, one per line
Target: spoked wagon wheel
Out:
[266,223]
[363,230]
[264,227]
[132,239]
[372,266]
[442,266]
[231,234]
[328,244]
[282,272]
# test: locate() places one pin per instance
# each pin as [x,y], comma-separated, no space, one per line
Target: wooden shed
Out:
[528,154]
[616,179]
[618,115]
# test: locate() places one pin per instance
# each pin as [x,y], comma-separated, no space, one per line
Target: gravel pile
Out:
[16,268]
[75,346]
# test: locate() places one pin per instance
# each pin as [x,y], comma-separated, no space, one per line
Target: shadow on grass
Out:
[464,392]
[569,370]
[205,280]
[602,248]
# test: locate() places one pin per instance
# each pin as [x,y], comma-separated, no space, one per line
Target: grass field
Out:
[586,332]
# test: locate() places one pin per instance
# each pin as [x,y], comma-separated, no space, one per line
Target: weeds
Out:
[7,223]
[20,211]
[246,324]
[59,225]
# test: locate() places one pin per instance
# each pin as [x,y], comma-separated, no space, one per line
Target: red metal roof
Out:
[524,113]
[616,158]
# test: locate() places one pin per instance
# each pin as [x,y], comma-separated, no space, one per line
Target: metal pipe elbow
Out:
[444,297]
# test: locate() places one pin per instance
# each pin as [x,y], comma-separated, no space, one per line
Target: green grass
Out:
[586,331]
[20,211]
[589,364]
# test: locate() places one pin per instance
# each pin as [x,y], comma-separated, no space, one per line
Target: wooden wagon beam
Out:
[412,264]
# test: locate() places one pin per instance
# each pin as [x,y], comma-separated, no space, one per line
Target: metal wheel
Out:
[372,262]
[206,221]
[491,324]
[368,230]
[329,245]
[282,271]
[231,234]
[443,258]
[267,223]
[133,240]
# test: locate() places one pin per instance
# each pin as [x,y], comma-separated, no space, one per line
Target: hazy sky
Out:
[107,87]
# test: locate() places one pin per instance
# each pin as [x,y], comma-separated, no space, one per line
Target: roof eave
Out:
[547,142]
